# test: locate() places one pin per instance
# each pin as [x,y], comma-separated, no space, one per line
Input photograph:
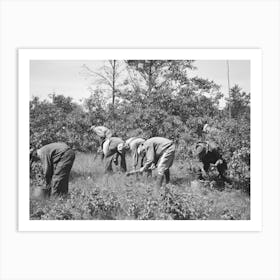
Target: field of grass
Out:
[93,195]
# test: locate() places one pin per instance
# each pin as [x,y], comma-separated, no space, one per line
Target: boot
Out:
[167,176]
[159,181]
[46,193]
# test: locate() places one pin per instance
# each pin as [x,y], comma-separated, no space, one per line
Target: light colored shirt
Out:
[155,147]
[133,144]
[111,145]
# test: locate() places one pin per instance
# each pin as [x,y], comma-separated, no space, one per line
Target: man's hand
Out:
[141,170]
[153,166]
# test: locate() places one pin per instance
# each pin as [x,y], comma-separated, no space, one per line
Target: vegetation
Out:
[153,98]
[95,196]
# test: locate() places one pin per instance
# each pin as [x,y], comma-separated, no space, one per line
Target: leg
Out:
[61,175]
[108,163]
[102,155]
[165,162]
[142,161]
[160,181]
[116,159]
[123,162]
[222,170]
[167,176]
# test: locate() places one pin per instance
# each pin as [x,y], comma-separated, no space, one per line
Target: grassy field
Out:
[93,195]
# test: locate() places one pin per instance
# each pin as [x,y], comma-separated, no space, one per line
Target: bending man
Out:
[103,133]
[161,152]
[114,147]
[57,160]
[132,145]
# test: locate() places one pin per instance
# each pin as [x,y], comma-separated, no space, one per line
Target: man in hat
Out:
[114,147]
[57,160]
[161,152]
[131,145]
[208,153]
[103,133]
[210,133]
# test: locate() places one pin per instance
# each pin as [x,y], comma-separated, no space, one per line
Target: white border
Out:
[24,57]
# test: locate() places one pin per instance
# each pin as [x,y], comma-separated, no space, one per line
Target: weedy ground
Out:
[93,195]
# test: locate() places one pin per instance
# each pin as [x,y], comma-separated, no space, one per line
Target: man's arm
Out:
[201,167]
[150,157]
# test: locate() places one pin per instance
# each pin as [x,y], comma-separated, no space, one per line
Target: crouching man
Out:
[112,149]
[208,153]
[161,152]
[57,160]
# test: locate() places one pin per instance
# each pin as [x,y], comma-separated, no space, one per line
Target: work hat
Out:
[199,148]
[120,147]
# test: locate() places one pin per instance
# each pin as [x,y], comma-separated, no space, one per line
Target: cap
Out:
[199,148]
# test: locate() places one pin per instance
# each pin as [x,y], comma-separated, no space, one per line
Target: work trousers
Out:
[61,173]
[110,156]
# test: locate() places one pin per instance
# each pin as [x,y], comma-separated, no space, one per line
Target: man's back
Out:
[53,150]
[159,144]
[114,142]
[209,152]
[134,142]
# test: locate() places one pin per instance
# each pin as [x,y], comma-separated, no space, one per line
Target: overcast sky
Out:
[63,77]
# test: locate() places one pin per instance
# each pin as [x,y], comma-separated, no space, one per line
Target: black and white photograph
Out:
[140,139]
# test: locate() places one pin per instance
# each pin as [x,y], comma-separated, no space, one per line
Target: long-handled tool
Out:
[133,172]
[138,171]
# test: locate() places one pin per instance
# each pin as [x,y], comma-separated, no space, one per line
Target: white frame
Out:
[24,57]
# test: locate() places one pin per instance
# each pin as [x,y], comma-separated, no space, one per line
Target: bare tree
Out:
[108,76]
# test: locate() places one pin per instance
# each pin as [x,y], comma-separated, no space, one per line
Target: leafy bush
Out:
[239,169]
